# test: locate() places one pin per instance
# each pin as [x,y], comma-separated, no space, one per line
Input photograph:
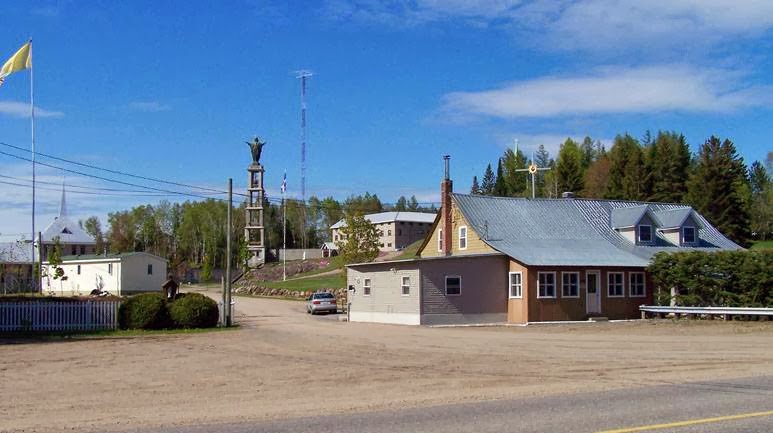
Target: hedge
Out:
[194,310]
[144,311]
[718,279]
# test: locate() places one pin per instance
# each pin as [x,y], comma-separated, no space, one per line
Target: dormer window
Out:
[66,231]
[688,235]
[645,233]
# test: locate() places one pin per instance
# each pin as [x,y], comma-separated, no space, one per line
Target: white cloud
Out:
[149,106]
[581,24]
[22,110]
[614,90]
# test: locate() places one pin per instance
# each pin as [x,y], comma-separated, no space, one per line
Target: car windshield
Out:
[323,296]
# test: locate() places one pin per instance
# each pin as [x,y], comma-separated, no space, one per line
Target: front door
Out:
[593,292]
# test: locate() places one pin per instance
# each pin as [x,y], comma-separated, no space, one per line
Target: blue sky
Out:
[172,89]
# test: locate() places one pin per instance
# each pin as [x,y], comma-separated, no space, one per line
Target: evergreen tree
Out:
[413,204]
[542,159]
[515,181]
[626,167]
[719,190]
[670,167]
[487,186]
[500,189]
[550,188]
[762,202]
[569,170]
[588,152]
[475,187]
[402,204]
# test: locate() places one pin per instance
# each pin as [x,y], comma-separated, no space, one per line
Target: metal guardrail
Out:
[726,312]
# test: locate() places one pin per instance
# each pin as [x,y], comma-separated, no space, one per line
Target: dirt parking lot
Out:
[284,363]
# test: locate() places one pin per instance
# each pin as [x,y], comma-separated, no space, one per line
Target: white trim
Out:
[577,296]
[555,289]
[369,285]
[440,240]
[466,232]
[638,233]
[622,281]
[643,282]
[403,285]
[694,235]
[460,285]
[510,285]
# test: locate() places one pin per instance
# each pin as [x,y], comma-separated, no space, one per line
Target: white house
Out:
[119,274]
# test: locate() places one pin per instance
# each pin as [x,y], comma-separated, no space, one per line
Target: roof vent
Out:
[567,194]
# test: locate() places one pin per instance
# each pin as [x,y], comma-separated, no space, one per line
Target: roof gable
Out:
[673,218]
[625,217]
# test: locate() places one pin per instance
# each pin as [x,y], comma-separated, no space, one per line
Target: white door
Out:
[593,292]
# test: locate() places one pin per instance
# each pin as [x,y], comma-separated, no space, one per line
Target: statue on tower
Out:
[256,147]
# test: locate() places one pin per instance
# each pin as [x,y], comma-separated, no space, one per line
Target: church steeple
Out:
[63,204]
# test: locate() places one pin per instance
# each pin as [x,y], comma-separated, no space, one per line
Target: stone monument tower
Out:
[254,231]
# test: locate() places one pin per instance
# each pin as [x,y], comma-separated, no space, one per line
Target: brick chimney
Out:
[446,188]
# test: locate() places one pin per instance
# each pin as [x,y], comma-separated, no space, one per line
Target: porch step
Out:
[598,319]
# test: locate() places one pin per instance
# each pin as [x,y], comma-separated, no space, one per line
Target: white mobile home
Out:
[119,274]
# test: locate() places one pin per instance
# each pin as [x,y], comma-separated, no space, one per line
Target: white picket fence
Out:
[58,316]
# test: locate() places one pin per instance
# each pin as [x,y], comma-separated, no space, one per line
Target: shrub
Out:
[719,279]
[194,310]
[144,311]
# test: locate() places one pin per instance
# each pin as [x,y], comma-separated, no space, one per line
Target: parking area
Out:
[268,368]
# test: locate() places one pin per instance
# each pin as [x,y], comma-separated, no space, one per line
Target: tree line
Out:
[734,197]
[193,233]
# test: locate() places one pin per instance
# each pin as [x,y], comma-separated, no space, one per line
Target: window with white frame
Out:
[453,285]
[516,285]
[637,286]
[405,286]
[547,284]
[615,287]
[389,232]
[366,287]
[645,233]
[110,268]
[440,240]
[463,238]
[688,235]
[570,284]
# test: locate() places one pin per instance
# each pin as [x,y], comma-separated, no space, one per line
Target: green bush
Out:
[718,279]
[144,311]
[194,310]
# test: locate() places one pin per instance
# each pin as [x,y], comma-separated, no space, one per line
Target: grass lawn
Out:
[762,245]
[323,282]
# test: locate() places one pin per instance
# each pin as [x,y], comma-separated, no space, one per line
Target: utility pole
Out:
[229,218]
[303,75]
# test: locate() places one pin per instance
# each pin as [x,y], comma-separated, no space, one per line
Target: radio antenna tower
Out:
[303,75]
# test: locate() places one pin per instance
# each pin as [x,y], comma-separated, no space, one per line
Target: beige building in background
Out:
[119,274]
[396,230]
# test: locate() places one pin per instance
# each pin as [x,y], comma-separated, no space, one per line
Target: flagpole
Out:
[284,230]
[32,124]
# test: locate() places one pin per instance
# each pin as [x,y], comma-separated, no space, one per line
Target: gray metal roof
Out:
[627,216]
[16,252]
[69,232]
[668,219]
[571,232]
[386,217]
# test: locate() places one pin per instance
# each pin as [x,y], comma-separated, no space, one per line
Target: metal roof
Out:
[668,219]
[387,217]
[627,216]
[572,232]
[16,252]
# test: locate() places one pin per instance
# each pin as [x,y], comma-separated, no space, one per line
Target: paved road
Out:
[622,411]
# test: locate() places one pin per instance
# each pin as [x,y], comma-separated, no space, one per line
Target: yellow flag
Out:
[21,60]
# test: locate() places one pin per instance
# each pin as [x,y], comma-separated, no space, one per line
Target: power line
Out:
[69,185]
[85,192]
[94,167]
[108,179]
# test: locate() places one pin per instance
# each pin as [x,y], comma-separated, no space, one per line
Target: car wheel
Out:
[312,312]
